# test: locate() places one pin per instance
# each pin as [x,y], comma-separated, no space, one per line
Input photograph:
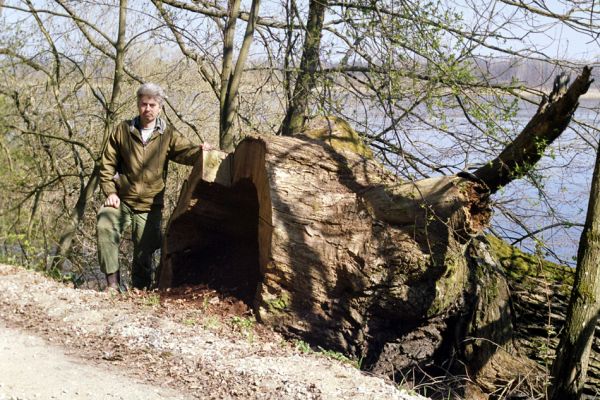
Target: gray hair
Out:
[152,90]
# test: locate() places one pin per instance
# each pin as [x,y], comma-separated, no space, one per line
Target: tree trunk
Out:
[487,331]
[539,298]
[325,244]
[230,76]
[550,120]
[570,367]
[65,242]
[296,113]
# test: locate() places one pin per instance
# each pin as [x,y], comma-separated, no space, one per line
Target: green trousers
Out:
[145,233]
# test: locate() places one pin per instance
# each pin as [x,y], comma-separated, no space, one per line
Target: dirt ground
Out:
[57,342]
[34,369]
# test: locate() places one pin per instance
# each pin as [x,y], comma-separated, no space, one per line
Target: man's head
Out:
[150,98]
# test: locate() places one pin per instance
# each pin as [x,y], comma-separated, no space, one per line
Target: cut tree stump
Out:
[326,245]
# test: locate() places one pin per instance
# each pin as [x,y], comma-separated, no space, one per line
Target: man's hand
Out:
[206,146]
[112,201]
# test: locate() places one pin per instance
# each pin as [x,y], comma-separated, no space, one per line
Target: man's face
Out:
[149,109]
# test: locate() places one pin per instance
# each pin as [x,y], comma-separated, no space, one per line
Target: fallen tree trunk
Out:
[551,119]
[324,244]
[540,298]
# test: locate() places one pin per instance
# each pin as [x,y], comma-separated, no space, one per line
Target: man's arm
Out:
[108,169]
[184,151]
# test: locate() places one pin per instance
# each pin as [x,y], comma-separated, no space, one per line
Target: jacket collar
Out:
[160,126]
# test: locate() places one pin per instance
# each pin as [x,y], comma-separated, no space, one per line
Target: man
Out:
[133,172]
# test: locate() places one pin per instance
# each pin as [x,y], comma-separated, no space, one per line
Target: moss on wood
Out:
[519,265]
[338,134]
[450,286]
[278,304]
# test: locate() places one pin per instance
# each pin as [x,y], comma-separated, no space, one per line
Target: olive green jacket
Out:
[137,172]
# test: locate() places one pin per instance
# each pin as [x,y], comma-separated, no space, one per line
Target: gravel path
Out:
[30,368]
[83,344]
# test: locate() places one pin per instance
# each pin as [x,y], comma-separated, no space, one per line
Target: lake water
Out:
[553,204]
[565,175]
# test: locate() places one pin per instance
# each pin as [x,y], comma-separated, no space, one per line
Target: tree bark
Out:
[570,367]
[230,76]
[539,300]
[296,113]
[309,236]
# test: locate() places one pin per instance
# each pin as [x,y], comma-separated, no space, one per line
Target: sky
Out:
[527,31]
[555,39]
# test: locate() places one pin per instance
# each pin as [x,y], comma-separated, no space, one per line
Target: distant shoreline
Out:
[592,94]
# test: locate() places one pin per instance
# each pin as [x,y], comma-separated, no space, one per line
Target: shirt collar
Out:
[160,125]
